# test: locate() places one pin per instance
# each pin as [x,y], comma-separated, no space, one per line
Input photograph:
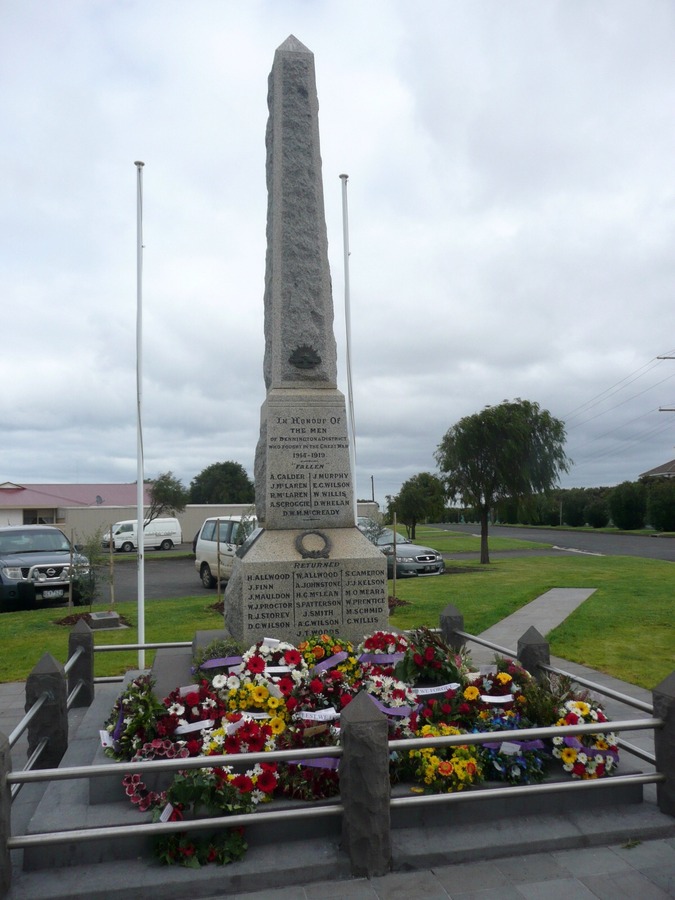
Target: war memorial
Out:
[310,567]
[342,805]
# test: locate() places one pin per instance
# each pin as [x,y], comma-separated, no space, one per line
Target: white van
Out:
[217,544]
[160,534]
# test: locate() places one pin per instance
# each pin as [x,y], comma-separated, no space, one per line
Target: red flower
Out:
[285,685]
[194,747]
[256,665]
[418,659]
[292,657]
[429,654]
[316,686]
[572,719]
[267,782]
[192,699]
[291,704]
[243,783]
[579,769]
[345,699]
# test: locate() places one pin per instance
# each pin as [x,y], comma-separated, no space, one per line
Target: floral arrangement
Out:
[240,734]
[314,779]
[136,789]
[262,697]
[269,655]
[222,847]
[395,699]
[429,660]
[217,656]
[380,652]
[323,651]
[586,755]
[445,769]
[516,762]
[133,719]
[187,707]
[330,689]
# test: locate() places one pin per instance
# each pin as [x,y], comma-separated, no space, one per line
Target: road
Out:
[167,576]
[582,541]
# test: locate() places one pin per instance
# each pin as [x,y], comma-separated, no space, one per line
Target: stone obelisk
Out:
[310,569]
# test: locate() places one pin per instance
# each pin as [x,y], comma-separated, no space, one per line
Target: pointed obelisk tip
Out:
[292,45]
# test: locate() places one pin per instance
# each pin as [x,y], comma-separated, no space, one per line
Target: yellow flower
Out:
[471,693]
[259,694]
[568,755]
[583,708]
[272,702]
[277,725]
[504,678]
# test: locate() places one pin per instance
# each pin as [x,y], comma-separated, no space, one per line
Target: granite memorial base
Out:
[285,587]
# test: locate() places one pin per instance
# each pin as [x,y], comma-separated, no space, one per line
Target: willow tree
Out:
[512,450]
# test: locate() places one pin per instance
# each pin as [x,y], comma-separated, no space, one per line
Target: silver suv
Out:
[216,546]
[38,566]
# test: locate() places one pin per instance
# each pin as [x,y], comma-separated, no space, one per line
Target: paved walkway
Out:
[636,868]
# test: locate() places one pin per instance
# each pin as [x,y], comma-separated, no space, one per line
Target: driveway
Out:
[571,541]
[165,577]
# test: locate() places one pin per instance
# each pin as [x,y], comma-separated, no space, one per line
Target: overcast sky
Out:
[511,221]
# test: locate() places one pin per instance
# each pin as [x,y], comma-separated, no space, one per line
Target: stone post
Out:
[533,652]
[5,815]
[83,668]
[52,720]
[663,697]
[452,621]
[365,788]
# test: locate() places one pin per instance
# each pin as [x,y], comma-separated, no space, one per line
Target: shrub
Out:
[596,513]
[627,505]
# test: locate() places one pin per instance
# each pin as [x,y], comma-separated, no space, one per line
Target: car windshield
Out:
[387,537]
[33,542]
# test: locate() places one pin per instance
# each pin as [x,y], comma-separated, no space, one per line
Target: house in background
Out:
[667,470]
[81,510]
[52,504]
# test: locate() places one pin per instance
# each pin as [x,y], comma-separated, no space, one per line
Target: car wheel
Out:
[207,578]
[166,545]
[127,547]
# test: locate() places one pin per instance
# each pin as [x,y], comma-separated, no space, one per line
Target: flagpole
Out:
[140,480]
[348,330]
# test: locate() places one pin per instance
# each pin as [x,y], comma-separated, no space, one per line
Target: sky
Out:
[511,201]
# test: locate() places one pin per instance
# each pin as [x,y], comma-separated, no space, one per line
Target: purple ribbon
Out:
[404,711]
[380,658]
[330,663]
[321,762]
[576,744]
[119,727]
[221,662]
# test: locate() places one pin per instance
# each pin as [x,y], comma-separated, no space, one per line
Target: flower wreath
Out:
[274,659]
[445,769]
[323,652]
[381,651]
[586,755]
[517,762]
[429,660]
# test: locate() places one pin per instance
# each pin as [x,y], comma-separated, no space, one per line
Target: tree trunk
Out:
[484,552]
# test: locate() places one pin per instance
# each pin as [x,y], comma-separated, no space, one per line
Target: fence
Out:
[365,794]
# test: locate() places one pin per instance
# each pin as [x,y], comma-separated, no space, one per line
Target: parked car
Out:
[216,546]
[160,534]
[38,566]
[411,559]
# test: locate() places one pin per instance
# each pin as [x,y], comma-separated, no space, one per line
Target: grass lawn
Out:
[459,542]
[27,635]
[626,628]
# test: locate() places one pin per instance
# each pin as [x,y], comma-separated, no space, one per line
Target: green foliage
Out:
[167,497]
[596,513]
[514,449]
[224,482]
[627,505]
[661,504]
[421,498]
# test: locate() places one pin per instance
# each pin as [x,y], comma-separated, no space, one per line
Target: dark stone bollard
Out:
[83,668]
[451,622]
[663,697]
[5,815]
[52,719]
[365,788]
[533,652]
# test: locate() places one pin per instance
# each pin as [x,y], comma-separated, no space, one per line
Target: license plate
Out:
[50,595]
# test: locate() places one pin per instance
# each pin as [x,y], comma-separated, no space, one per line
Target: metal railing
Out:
[30,774]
